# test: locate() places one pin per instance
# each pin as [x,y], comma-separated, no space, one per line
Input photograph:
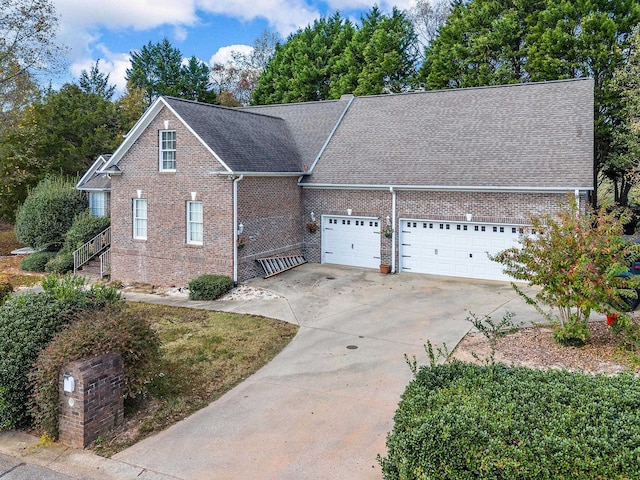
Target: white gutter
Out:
[393,230]
[577,195]
[447,188]
[235,229]
[261,174]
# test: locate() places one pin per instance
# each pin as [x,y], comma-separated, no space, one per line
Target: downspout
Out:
[576,192]
[235,229]
[393,230]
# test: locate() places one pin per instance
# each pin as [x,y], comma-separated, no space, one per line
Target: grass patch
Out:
[205,354]
[10,271]
[467,421]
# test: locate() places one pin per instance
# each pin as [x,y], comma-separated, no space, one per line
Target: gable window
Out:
[140,218]
[194,223]
[98,204]
[167,150]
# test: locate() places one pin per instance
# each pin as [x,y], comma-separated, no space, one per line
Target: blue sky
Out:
[209,29]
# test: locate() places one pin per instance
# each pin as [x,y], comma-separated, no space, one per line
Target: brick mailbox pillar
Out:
[91,400]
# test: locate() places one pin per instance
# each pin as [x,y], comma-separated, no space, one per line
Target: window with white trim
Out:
[98,204]
[167,150]
[195,225]
[140,218]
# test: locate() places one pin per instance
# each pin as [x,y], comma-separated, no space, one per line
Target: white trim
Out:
[141,125]
[190,223]
[448,188]
[262,174]
[134,218]
[161,150]
[95,166]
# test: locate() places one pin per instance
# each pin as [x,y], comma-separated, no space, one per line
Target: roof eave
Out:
[448,188]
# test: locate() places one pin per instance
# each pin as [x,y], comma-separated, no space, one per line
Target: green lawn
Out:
[205,355]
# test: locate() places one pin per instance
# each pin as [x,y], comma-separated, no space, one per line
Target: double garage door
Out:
[425,246]
[455,249]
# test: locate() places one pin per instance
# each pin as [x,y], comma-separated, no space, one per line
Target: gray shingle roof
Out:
[244,141]
[311,123]
[526,135]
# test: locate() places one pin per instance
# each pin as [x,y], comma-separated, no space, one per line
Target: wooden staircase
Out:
[91,269]
[275,265]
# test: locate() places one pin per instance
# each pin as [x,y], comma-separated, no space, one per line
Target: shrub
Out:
[468,421]
[209,287]
[48,212]
[6,289]
[36,262]
[61,263]
[578,262]
[85,226]
[93,333]
[572,334]
[28,322]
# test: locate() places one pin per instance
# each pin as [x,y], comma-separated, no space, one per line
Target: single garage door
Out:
[351,241]
[455,249]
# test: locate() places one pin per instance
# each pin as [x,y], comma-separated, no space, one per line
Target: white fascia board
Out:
[446,188]
[94,189]
[260,174]
[142,124]
[95,166]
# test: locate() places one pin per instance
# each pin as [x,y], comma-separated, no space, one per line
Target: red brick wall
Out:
[96,405]
[268,207]
[270,210]
[165,258]
[512,208]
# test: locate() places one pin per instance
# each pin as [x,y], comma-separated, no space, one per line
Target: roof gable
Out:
[242,142]
[535,135]
[91,180]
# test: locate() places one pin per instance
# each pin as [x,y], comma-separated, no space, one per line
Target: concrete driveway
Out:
[323,407]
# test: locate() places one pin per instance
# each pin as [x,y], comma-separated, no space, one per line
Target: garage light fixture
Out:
[313,217]
[469,217]
[388,220]
[240,229]
[349,211]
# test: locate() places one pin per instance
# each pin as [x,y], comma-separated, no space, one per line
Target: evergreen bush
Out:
[48,212]
[36,262]
[85,226]
[61,263]
[6,289]
[209,287]
[28,322]
[467,421]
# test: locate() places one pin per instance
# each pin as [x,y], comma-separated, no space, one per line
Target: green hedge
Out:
[6,289]
[28,322]
[61,263]
[36,262]
[85,226]
[209,287]
[463,421]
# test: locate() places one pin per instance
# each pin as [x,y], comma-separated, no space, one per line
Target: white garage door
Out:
[455,249]
[351,241]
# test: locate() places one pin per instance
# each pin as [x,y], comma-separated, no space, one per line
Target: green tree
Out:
[623,165]
[301,68]
[62,132]
[96,82]
[575,262]
[488,42]
[195,81]
[333,57]
[158,70]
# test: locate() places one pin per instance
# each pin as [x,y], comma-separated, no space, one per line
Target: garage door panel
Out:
[353,241]
[455,249]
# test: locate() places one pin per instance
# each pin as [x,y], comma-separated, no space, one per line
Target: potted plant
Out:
[387,231]
[312,227]
[385,268]
[241,242]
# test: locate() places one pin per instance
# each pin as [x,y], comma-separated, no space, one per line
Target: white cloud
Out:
[224,55]
[113,64]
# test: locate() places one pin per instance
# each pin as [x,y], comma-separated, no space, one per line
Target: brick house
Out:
[428,182]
